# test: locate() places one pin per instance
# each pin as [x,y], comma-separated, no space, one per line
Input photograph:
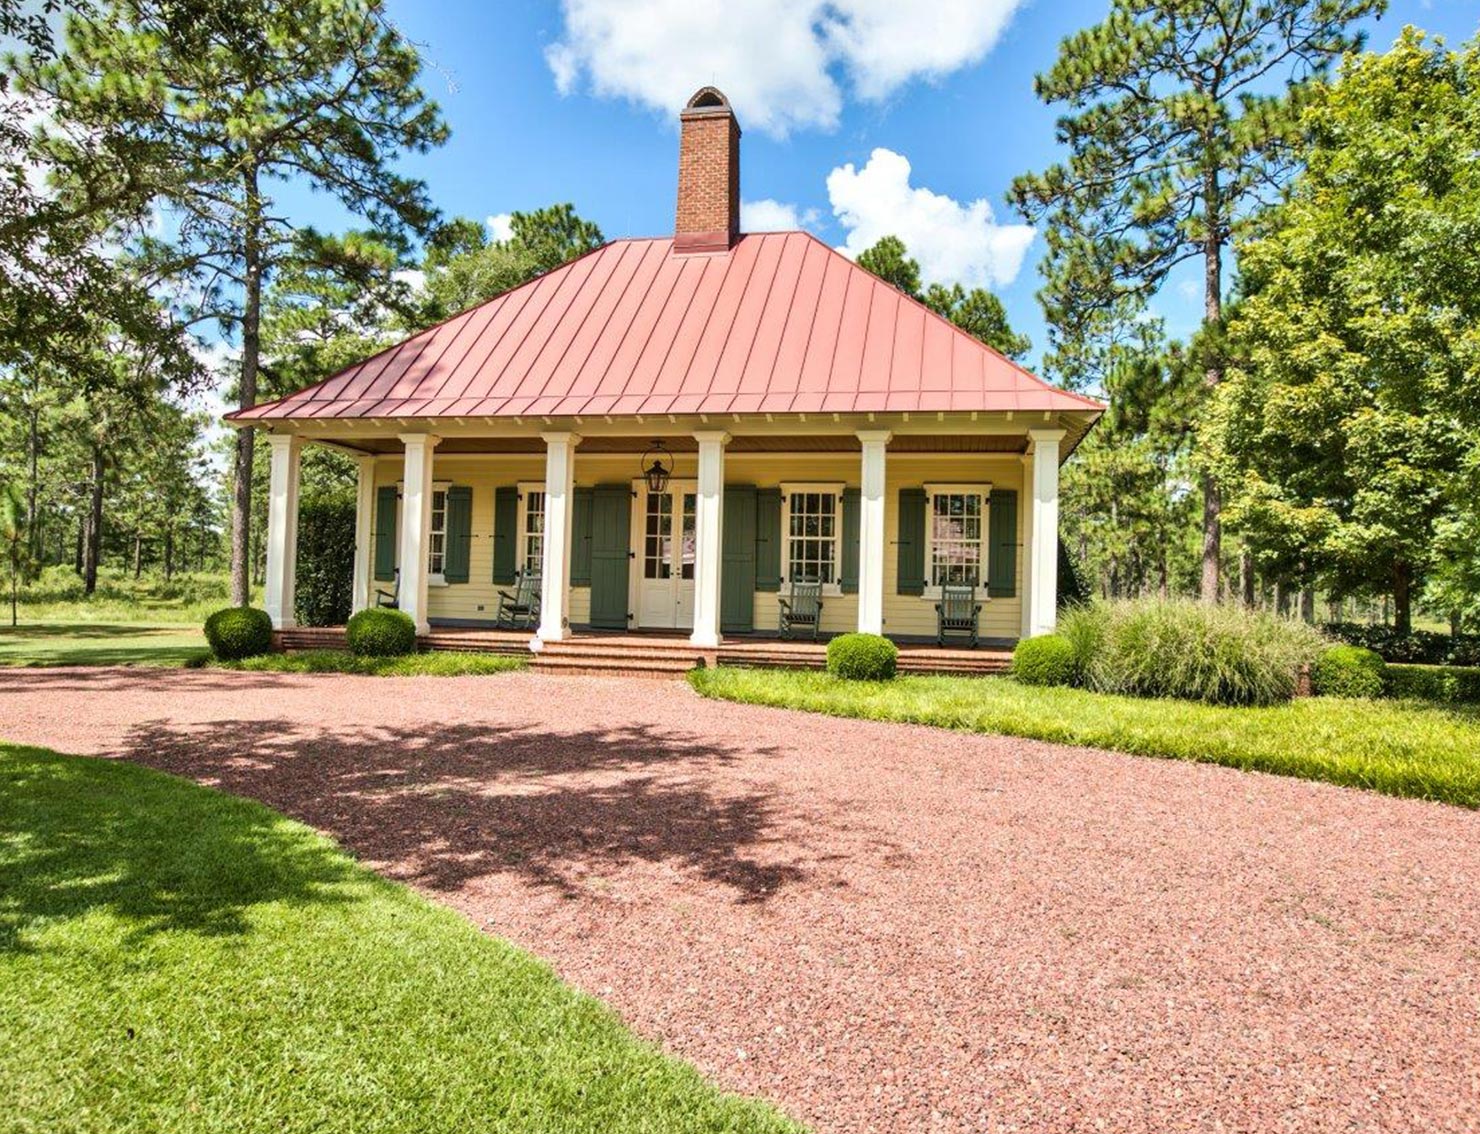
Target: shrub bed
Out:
[239,632]
[1456,685]
[1221,655]
[862,657]
[1418,647]
[1048,659]
[381,633]
[1350,671]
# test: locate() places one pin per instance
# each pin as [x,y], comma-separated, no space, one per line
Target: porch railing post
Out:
[709,504]
[416,526]
[871,541]
[364,526]
[560,466]
[282,528]
[1044,563]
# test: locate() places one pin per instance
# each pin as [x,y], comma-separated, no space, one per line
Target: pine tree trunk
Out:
[1212,545]
[138,555]
[241,502]
[1246,578]
[33,441]
[93,541]
[81,541]
[169,552]
[1402,598]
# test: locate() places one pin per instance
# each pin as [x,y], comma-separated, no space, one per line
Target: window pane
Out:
[956,538]
[812,551]
[437,543]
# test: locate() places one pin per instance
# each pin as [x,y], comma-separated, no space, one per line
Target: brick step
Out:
[625,652]
[610,666]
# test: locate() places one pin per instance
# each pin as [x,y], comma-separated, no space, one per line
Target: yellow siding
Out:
[903,614]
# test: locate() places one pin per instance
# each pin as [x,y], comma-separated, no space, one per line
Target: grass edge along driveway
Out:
[1398,748]
[173,958]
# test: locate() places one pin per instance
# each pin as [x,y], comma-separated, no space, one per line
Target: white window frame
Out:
[434,578]
[793,488]
[979,488]
[521,560]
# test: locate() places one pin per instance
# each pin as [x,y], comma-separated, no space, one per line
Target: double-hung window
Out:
[813,529]
[531,546]
[956,534]
[437,537]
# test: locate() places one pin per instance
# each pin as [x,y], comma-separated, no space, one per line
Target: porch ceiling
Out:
[743,443]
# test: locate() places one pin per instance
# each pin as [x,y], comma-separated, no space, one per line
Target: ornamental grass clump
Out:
[381,633]
[239,632]
[1220,655]
[862,657]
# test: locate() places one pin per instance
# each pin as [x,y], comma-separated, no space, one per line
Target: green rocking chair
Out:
[803,610]
[520,609]
[957,614]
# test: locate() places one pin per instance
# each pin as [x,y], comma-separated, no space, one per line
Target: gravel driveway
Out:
[879,927]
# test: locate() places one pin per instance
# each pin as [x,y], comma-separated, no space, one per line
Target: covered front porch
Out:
[882,512]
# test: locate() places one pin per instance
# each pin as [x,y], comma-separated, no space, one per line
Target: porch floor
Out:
[658,654]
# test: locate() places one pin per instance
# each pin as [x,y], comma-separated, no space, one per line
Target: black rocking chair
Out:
[957,614]
[392,597]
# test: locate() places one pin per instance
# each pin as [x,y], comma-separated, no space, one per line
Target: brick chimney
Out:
[708,175]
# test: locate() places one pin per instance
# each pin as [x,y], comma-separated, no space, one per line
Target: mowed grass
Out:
[186,599]
[174,959]
[439,664]
[100,643]
[1400,748]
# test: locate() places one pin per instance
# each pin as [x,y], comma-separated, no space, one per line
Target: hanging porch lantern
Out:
[657,473]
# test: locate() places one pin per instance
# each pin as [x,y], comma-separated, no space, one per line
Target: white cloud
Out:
[954,242]
[500,225]
[767,215]
[780,62]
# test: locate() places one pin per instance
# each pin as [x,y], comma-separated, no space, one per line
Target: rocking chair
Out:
[520,609]
[391,598]
[957,613]
[803,610]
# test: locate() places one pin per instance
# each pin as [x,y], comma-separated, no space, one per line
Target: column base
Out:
[287,623]
[704,640]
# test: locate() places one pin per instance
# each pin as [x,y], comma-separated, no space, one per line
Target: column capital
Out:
[561,437]
[875,436]
[1046,436]
[284,440]
[712,436]
[412,440]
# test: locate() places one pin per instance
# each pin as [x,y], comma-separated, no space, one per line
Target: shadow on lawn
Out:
[442,805]
[80,835]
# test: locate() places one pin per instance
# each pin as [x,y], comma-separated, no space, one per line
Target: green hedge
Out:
[239,632]
[1446,684]
[862,657]
[381,633]
[1350,671]
[324,580]
[1046,660]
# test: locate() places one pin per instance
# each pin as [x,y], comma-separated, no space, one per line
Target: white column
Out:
[560,468]
[416,526]
[364,527]
[709,506]
[871,532]
[282,528]
[1025,521]
[1044,566]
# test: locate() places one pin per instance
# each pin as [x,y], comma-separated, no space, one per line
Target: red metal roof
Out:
[780,323]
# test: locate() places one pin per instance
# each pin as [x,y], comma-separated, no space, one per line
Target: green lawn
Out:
[1403,748]
[100,643]
[186,599]
[174,959]
[441,664]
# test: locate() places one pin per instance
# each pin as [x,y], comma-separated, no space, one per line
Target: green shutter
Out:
[505,532]
[580,539]
[611,555]
[385,533]
[459,533]
[1002,543]
[768,539]
[737,566]
[911,543]
[848,572]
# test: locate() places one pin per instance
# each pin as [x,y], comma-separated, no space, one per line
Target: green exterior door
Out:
[611,552]
[737,555]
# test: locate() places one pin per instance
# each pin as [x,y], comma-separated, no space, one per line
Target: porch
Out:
[663,655]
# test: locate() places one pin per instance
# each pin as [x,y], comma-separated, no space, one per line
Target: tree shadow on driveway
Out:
[443,805]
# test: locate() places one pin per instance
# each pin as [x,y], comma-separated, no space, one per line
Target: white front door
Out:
[665,556]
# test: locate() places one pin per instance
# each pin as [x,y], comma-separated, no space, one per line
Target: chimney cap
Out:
[706,101]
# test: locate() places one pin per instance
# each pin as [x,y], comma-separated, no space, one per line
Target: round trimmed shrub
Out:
[1350,671]
[239,632]
[862,657]
[381,633]
[1048,659]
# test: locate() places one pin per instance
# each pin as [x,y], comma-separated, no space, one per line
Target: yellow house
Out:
[682,433]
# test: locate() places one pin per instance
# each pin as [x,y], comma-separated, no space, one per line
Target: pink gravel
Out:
[879,927]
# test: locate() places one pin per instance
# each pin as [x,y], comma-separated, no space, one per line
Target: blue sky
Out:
[576,102]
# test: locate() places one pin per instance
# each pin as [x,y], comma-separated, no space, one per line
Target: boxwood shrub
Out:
[381,633]
[326,561]
[1221,655]
[239,632]
[1045,660]
[1447,684]
[862,657]
[1350,671]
